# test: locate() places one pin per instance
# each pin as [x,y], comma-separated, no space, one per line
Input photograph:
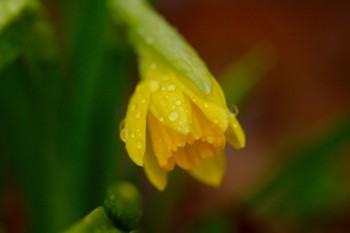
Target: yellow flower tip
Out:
[155,174]
[168,124]
[234,133]
[210,171]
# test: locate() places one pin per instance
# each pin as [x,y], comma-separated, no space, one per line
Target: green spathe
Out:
[150,32]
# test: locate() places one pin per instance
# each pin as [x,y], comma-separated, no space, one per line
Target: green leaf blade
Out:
[151,32]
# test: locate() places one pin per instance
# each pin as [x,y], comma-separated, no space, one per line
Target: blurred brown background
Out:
[306,88]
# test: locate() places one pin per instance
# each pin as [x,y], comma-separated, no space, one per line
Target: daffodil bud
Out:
[178,114]
[124,206]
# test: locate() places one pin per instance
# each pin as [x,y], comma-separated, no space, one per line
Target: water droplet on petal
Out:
[122,125]
[178,102]
[206,105]
[138,115]
[132,134]
[210,139]
[173,116]
[233,109]
[133,107]
[154,85]
[153,66]
[171,87]
[139,145]
[149,40]
[161,119]
[124,134]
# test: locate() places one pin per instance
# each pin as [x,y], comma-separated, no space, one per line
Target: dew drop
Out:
[149,40]
[153,66]
[171,87]
[122,125]
[154,85]
[233,109]
[173,116]
[161,119]
[132,134]
[138,115]
[139,145]
[133,107]
[210,139]
[178,102]
[124,134]
[206,105]
[12,6]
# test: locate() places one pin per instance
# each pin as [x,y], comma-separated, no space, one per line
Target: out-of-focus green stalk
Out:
[311,182]
[239,79]
[96,222]
[98,70]
[86,23]
[30,86]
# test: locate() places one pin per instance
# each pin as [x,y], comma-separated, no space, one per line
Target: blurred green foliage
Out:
[60,118]
[311,186]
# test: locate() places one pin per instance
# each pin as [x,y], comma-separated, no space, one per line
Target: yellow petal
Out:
[161,143]
[212,105]
[134,131]
[182,159]
[155,174]
[234,134]
[170,106]
[210,171]
[205,129]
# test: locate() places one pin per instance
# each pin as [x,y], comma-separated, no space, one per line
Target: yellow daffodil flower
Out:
[170,122]
[178,113]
